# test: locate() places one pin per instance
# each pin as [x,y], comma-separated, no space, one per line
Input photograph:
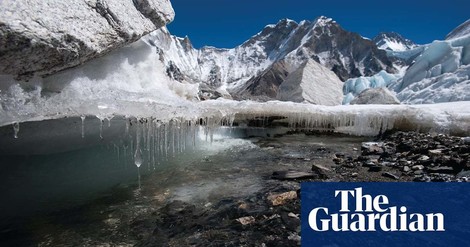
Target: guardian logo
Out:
[370,213]
[385,214]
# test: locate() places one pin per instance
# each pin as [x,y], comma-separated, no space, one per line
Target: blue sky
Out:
[228,23]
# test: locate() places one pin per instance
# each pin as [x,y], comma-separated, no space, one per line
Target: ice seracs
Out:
[440,74]
[355,86]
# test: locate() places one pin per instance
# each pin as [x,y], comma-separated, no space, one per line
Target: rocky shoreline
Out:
[271,217]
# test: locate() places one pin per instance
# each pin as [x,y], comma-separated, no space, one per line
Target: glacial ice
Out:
[355,86]
[129,87]
[439,74]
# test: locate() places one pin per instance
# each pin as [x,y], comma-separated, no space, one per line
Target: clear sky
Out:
[228,23]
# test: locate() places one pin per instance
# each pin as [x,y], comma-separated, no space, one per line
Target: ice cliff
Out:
[42,37]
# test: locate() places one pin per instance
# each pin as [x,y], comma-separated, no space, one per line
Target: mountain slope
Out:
[312,83]
[288,43]
[462,30]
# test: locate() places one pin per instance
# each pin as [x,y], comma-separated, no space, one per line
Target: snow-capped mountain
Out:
[277,50]
[462,30]
[393,42]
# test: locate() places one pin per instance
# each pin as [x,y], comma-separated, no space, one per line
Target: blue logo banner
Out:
[385,214]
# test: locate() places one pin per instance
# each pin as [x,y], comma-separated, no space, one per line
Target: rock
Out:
[340,155]
[375,96]
[418,172]
[417,167]
[312,83]
[463,174]
[281,199]
[42,37]
[289,175]
[338,160]
[320,170]
[294,237]
[375,168]
[354,174]
[390,175]
[406,169]
[423,158]
[441,169]
[246,220]
[465,140]
[292,215]
[372,148]
[435,152]
[422,179]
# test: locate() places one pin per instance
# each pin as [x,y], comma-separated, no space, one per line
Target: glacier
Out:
[131,83]
[355,86]
[439,74]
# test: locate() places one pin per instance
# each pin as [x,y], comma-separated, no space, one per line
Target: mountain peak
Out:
[323,21]
[393,41]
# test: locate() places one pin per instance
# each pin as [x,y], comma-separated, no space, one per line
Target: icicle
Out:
[83,126]
[101,128]
[127,126]
[138,157]
[109,122]
[16,129]
[116,147]
[138,154]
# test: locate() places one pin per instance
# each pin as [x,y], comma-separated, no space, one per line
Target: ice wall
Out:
[131,81]
[357,120]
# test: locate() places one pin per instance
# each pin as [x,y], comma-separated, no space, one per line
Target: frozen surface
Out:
[129,82]
[354,119]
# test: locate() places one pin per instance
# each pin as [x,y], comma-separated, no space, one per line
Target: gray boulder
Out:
[379,95]
[40,37]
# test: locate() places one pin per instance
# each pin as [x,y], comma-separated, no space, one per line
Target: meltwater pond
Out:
[74,191]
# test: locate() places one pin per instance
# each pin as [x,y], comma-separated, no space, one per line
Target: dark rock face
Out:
[340,45]
[266,85]
[34,42]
